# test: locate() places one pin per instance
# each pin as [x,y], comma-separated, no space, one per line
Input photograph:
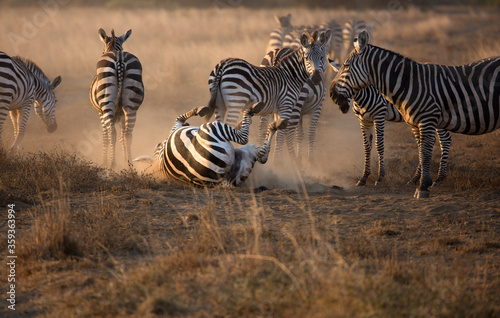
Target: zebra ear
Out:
[56,82]
[335,65]
[304,39]
[361,41]
[102,35]
[126,35]
[325,36]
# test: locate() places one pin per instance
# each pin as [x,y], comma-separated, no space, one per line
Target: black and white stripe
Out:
[22,84]
[236,84]
[462,99]
[277,36]
[309,103]
[205,156]
[372,109]
[117,92]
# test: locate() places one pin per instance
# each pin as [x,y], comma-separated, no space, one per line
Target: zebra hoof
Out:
[360,183]
[420,194]
[202,112]
[378,183]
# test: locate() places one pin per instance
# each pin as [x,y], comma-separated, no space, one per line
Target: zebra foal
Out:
[22,84]
[462,99]
[117,92]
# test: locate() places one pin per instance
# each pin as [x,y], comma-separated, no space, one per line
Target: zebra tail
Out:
[213,85]
[144,159]
[120,70]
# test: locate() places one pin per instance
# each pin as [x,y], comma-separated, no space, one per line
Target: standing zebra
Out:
[117,92]
[463,99]
[236,84]
[310,102]
[205,155]
[335,51]
[22,84]
[372,109]
[277,36]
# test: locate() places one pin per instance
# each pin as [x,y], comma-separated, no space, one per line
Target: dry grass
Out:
[99,243]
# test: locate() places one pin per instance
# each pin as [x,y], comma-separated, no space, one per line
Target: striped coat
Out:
[22,85]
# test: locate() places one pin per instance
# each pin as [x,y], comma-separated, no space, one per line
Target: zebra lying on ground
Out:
[117,92]
[463,99]
[22,84]
[205,155]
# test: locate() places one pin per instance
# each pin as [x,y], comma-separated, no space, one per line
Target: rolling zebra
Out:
[277,36]
[236,84]
[205,156]
[462,99]
[372,109]
[310,102]
[22,84]
[117,92]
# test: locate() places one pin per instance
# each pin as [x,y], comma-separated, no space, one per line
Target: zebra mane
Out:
[34,69]
[392,52]
[285,57]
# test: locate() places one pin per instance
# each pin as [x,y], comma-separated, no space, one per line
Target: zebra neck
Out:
[390,73]
[294,65]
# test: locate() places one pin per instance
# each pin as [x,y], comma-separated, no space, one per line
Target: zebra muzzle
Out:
[316,77]
[51,128]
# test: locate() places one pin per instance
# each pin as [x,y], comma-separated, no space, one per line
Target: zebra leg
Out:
[128,124]
[445,142]
[263,128]
[379,144]
[21,118]
[367,131]
[313,123]
[4,110]
[427,139]
[299,138]
[418,171]
[105,140]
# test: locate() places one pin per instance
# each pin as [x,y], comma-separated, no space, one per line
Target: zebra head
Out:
[352,76]
[113,43]
[45,104]
[315,49]
[284,21]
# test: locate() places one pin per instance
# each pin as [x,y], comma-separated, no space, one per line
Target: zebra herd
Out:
[289,84]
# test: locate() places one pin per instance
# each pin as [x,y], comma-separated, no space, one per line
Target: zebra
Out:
[236,84]
[372,109]
[205,156]
[22,84]
[335,51]
[310,102]
[277,36]
[351,30]
[462,99]
[117,92]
